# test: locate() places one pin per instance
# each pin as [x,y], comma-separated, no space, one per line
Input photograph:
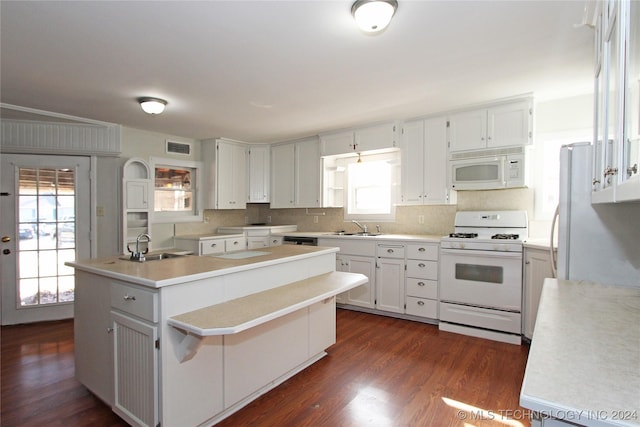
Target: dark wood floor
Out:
[381,372]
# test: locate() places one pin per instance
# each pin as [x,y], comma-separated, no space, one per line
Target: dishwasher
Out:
[294,240]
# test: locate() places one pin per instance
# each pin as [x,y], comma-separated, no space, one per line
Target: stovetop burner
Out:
[506,236]
[463,235]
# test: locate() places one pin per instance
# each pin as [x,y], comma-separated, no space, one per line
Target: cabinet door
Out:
[509,124]
[93,341]
[375,137]
[413,158]
[537,268]
[363,295]
[259,162]
[231,176]
[337,143]
[282,172]
[390,285]
[436,189]
[135,370]
[468,130]
[137,194]
[307,174]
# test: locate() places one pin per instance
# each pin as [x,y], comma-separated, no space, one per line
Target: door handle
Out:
[6,239]
[6,251]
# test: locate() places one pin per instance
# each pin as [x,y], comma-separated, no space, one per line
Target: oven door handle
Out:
[485,254]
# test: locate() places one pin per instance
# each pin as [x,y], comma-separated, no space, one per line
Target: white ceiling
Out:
[264,71]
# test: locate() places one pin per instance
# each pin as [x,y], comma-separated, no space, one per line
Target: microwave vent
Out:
[178,148]
[487,153]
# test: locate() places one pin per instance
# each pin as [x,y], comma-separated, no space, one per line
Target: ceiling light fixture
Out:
[373,15]
[152,105]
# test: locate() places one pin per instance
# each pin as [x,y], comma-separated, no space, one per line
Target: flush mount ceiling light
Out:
[373,15]
[152,105]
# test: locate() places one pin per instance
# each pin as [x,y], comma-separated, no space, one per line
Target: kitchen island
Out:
[584,362]
[187,341]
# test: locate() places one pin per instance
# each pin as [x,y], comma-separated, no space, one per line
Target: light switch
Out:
[99,210]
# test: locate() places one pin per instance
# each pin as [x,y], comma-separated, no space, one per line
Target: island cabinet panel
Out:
[322,326]
[93,344]
[262,354]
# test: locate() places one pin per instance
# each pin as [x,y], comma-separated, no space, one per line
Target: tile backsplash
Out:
[431,219]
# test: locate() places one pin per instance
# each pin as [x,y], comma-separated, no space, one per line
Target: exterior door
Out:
[45,221]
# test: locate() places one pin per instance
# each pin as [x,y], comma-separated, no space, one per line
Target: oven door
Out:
[481,278]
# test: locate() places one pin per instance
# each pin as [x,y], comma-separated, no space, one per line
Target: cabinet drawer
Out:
[422,269]
[422,288]
[212,247]
[275,240]
[235,244]
[136,301]
[424,251]
[422,307]
[390,251]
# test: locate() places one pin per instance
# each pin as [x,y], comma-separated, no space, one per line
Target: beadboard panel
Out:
[19,136]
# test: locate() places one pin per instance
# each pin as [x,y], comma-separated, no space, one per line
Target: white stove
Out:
[481,275]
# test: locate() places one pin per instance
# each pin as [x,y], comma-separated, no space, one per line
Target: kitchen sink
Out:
[342,233]
[154,257]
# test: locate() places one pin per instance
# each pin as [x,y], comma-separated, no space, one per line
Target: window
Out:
[371,183]
[175,190]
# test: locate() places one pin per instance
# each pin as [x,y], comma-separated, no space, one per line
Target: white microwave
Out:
[486,170]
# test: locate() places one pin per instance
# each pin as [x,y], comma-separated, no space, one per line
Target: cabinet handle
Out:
[527,262]
[422,265]
[129,298]
[390,251]
[420,283]
[422,249]
[213,245]
[109,330]
[420,302]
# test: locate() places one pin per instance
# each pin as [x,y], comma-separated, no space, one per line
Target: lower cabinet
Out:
[363,295]
[390,267]
[135,370]
[422,280]
[537,267]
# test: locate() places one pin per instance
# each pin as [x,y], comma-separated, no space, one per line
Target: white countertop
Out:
[174,271]
[333,235]
[237,315]
[584,362]
[207,236]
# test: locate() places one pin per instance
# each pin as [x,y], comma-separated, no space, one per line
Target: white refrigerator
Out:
[599,243]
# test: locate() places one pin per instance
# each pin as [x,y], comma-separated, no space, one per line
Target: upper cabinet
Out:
[136,184]
[503,125]
[424,162]
[378,137]
[259,161]
[295,174]
[617,101]
[226,165]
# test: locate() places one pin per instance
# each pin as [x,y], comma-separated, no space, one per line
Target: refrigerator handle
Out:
[552,252]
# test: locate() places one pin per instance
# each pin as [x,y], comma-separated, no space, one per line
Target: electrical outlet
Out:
[99,210]
[269,219]
[206,220]
[315,219]
[420,219]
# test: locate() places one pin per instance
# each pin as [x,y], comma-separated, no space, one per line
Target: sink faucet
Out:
[137,255]
[363,227]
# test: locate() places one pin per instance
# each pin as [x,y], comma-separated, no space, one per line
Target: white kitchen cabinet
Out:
[502,125]
[210,245]
[424,163]
[93,349]
[363,295]
[370,138]
[617,100]
[226,169]
[422,280]
[135,370]
[259,162]
[356,256]
[136,185]
[537,267]
[390,268]
[295,174]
